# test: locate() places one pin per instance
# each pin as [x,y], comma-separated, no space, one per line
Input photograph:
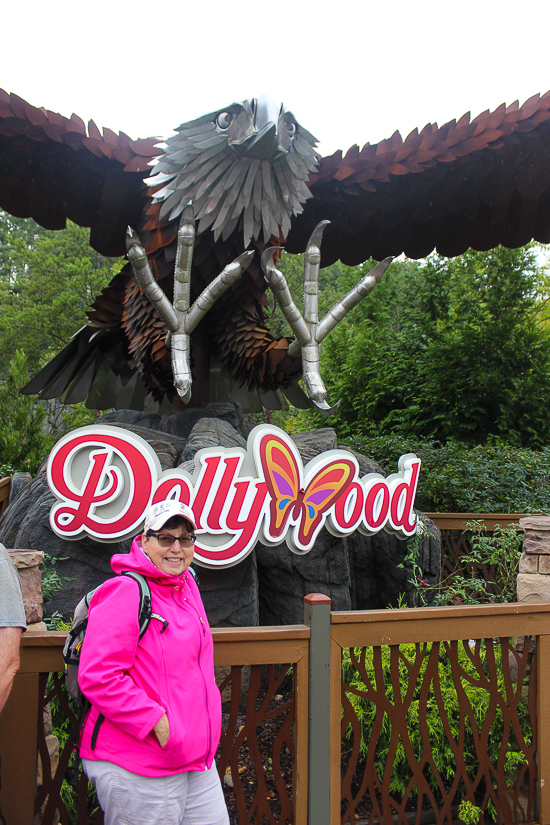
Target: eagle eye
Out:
[223,121]
[291,128]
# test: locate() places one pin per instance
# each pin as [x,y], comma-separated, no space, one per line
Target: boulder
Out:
[366,465]
[284,578]
[19,481]
[358,573]
[230,596]
[382,569]
[211,432]
[168,447]
[131,418]
[313,442]
[181,423]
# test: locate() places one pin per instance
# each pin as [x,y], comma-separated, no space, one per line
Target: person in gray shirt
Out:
[12,623]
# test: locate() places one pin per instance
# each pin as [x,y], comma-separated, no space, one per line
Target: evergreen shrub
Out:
[456,478]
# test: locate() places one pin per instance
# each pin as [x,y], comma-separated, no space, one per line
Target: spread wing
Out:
[53,168]
[467,184]
[471,183]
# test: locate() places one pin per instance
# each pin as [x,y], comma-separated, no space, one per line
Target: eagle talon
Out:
[325,409]
[308,329]
[181,318]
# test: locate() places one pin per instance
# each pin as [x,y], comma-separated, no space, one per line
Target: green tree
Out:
[446,349]
[23,442]
[47,281]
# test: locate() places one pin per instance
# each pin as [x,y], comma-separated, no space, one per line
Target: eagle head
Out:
[244,168]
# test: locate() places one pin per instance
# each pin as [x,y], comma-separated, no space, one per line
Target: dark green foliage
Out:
[488,572]
[455,478]
[47,282]
[23,442]
[445,349]
[426,707]
[51,581]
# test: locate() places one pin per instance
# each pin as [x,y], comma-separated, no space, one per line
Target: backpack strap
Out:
[145,606]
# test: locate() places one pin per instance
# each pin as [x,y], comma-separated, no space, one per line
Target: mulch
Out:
[266,734]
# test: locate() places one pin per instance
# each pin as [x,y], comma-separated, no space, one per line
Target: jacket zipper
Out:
[202,625]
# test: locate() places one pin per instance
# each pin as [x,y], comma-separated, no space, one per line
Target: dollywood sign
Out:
[104,479]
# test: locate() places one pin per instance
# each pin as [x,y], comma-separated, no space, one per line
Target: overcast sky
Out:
[350,71]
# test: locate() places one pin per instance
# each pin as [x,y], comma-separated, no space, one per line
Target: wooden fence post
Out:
[543,724]
[18,750]
[317,618]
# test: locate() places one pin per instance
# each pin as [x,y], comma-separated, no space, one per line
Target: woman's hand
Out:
[162,730]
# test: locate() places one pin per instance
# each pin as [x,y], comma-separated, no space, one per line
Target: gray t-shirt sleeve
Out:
[12,611]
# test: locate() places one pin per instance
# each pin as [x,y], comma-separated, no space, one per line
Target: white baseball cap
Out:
[159,513]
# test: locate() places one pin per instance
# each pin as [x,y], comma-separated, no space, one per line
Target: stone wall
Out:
[533,583]
[28,564]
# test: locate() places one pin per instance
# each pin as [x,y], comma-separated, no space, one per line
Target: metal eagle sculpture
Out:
[209,209]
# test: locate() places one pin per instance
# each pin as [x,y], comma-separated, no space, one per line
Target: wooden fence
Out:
[5,484]
[293,743]
[258,662]
[395,662]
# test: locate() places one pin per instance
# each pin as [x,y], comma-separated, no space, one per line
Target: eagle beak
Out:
[263,142]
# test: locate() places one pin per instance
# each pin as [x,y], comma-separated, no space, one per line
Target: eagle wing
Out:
[471,183]
[467,184]
[53,168]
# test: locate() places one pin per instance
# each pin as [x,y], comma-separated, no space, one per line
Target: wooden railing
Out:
[459,521]
[308,682]
[477,643]
[456,544]
[5,484]
[266,680]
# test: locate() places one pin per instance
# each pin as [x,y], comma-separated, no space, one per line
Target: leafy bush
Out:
[456,478]
[446,349]
[51,580]
[23,443]
[62,729]
[426,706]
[488,573]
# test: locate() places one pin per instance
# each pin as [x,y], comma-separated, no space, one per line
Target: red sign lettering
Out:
[104,481]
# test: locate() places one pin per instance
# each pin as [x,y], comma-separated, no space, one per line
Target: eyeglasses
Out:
[167,541]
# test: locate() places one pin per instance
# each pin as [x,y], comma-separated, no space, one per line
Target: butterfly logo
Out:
[305,506]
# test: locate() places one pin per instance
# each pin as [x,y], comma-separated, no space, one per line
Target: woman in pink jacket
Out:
[152,755]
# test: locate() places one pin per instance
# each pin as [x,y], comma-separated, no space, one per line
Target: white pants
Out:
[190,798]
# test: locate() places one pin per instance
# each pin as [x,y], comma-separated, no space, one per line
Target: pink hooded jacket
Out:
[133,683]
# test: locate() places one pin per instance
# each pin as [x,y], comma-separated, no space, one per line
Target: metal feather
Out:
[203,158]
